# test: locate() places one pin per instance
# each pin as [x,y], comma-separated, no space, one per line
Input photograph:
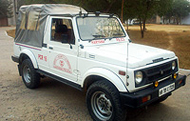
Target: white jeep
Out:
[92,52]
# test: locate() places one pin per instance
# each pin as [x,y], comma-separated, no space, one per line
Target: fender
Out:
[31,56]
[107,74]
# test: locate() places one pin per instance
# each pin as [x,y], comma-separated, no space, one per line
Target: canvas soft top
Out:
[53,9]
[32,19]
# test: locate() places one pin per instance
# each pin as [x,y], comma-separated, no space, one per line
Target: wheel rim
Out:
[27,74]
[101,106]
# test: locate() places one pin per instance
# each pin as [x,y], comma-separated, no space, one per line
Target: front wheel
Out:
[29,75]
[103,102]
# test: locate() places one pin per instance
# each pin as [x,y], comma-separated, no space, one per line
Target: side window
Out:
[23,21]
[33,20]
[30,20]
[62,31]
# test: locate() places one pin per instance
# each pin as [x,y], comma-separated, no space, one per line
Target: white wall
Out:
[186,20]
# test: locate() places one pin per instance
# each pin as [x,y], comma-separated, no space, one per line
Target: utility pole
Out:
[122,7]
[15,10]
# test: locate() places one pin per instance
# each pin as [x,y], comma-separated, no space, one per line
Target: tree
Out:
[38,1]
[145,9]
[180,9]
[122,8]
[140,9]
[6,9]
[100,5]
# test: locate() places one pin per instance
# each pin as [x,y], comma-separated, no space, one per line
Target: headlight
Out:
[138,77]
[173,65]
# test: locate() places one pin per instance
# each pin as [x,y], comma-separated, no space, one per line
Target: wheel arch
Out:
[97,74]
[26,54]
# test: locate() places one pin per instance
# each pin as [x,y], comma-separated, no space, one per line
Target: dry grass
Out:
[152,38]
[171,37]
[167,28]
[182,48]
[11,33]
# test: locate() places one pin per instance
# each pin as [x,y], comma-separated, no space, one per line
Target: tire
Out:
[30,77]
[103,102]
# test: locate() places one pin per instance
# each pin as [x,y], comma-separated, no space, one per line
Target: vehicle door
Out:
[62,49]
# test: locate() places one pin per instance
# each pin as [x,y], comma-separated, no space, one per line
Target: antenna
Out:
[127,62]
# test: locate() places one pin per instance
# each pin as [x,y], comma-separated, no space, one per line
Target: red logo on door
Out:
[61,63]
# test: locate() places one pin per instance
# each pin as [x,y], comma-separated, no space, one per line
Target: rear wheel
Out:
[29,75]
[103,102]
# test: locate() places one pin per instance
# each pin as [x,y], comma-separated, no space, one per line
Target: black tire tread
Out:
[115,97]
[35,77]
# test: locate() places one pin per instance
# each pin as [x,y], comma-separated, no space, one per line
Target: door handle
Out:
[51,48]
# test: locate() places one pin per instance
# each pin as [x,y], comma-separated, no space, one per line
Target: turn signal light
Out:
[145,99]
[122,73]
[175,76]
[180,81]
[156,83]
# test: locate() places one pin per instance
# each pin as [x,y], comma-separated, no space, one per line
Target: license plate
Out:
[166,89]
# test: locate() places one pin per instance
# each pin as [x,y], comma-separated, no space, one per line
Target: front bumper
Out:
[15,59]
[135,99]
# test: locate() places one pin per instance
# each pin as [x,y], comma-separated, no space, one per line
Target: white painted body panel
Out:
[137,55]
[100,59]
[123,56]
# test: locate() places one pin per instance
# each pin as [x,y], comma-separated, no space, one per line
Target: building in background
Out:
[186,20]
[5,21]
[12,20]
[172,20]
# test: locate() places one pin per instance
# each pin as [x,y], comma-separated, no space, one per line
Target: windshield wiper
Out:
[98,36]
[117,34]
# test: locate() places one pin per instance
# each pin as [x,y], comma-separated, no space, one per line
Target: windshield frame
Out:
[104,38]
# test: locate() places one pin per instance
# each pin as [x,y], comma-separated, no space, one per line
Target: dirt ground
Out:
[54,101]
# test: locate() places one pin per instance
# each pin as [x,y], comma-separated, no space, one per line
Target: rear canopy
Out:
[32,19]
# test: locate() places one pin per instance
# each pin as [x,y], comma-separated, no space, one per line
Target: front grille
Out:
[157,73]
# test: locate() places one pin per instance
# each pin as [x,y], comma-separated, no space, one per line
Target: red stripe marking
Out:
[28,46]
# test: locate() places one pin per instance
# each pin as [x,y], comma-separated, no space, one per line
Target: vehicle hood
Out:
[127,54]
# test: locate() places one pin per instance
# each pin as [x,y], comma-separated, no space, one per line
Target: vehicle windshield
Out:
[91,28]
